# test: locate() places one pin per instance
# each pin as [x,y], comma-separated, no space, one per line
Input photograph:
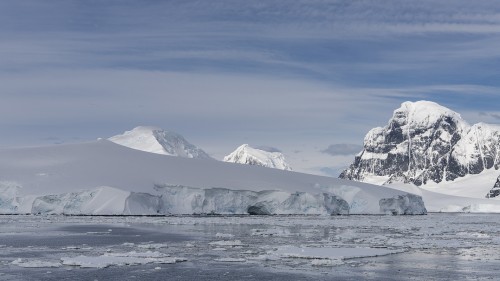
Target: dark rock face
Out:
[424,142]
[495,191]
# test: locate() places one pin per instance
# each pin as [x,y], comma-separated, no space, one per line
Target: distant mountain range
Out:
[156,140]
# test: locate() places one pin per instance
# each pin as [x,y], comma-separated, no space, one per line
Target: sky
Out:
[309,78]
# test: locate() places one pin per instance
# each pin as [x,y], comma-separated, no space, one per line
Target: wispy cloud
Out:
[495,116]
[342,149]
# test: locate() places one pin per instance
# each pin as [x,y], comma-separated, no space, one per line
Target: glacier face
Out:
[156,140]
[99,201]
[189,200]
[424,142]
[246,154]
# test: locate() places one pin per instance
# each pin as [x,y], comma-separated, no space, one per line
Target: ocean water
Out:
[431,247]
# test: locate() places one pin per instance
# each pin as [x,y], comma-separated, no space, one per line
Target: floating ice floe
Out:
[120,259]
[35,263]
[330,252]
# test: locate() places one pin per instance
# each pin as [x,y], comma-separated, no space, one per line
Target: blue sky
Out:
[296,75]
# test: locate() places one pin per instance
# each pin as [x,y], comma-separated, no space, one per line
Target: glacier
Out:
[104,178]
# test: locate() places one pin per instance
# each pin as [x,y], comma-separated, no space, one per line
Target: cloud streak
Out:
[342,149]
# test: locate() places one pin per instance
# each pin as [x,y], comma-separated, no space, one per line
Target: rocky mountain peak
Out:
[424,141]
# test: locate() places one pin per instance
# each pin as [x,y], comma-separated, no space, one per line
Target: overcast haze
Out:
[297,76]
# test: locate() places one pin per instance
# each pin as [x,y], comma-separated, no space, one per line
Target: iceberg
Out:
[104,178]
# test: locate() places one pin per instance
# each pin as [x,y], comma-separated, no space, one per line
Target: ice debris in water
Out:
[35,263]
[329,252]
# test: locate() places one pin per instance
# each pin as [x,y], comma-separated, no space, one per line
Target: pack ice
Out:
[104,178]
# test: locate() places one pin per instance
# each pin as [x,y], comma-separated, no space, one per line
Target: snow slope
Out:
[246,154]
[105,178]
[156,140]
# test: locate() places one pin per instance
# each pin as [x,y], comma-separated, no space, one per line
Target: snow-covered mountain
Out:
[102,177]
[156,140]
[426,144]
[246,154]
